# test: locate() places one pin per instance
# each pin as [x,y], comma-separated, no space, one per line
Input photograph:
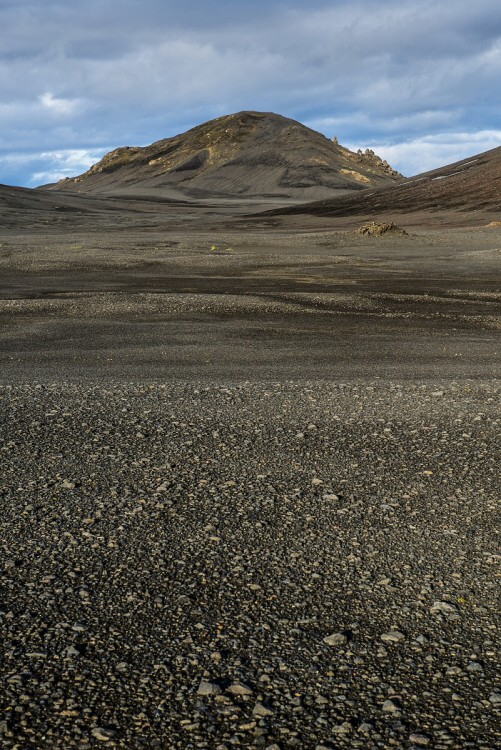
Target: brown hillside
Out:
[473,184]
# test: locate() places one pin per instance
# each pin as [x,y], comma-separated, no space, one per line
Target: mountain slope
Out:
[242,155]
[470,185]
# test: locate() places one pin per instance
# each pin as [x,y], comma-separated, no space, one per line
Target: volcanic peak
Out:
[246,153]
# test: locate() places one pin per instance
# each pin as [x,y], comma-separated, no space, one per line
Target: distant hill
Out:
[248,154]
[21,207]
[470,185]
[18,199]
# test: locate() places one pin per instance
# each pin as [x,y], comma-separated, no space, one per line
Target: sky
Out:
[418,81]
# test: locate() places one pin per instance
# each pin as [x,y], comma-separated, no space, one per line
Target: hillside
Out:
[470,185]
[248,154]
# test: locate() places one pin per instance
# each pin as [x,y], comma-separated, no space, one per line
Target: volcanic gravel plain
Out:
[249,479]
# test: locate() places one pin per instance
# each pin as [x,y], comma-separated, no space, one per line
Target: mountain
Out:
[248,154]
[470,185]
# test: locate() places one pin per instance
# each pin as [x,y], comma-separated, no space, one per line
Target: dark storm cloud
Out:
[83,76]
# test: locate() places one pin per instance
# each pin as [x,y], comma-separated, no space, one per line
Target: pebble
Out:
[208,688]
[440,607]
[393,636]
[238,688]
[391,706]
[495,697]
[474,666]
[344,728]
[102,734]
[261,710]
[417,738]
[366,727]
[79,627]
[336,639]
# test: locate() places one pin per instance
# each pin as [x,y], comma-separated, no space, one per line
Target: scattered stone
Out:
[366,727]
[336,639]
[261,710]
[344,728]
[391,706]
[238,688]
[418,738]
[103,734]
[495,697]
[445,608]
[67,485]
[208,688]
[474,666]
[247,726]
[394,636]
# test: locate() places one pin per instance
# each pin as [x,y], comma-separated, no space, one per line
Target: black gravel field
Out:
[275,565]
[249,480]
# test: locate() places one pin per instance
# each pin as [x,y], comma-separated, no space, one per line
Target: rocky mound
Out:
[242,155]
[470,185]
[373,229]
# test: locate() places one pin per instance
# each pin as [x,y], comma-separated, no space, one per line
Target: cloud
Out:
[433,151]
[49,166]
[409,123]
[88,73]
[57,105]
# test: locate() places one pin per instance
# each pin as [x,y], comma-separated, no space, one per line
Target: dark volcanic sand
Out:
[265,303]
[212,460]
